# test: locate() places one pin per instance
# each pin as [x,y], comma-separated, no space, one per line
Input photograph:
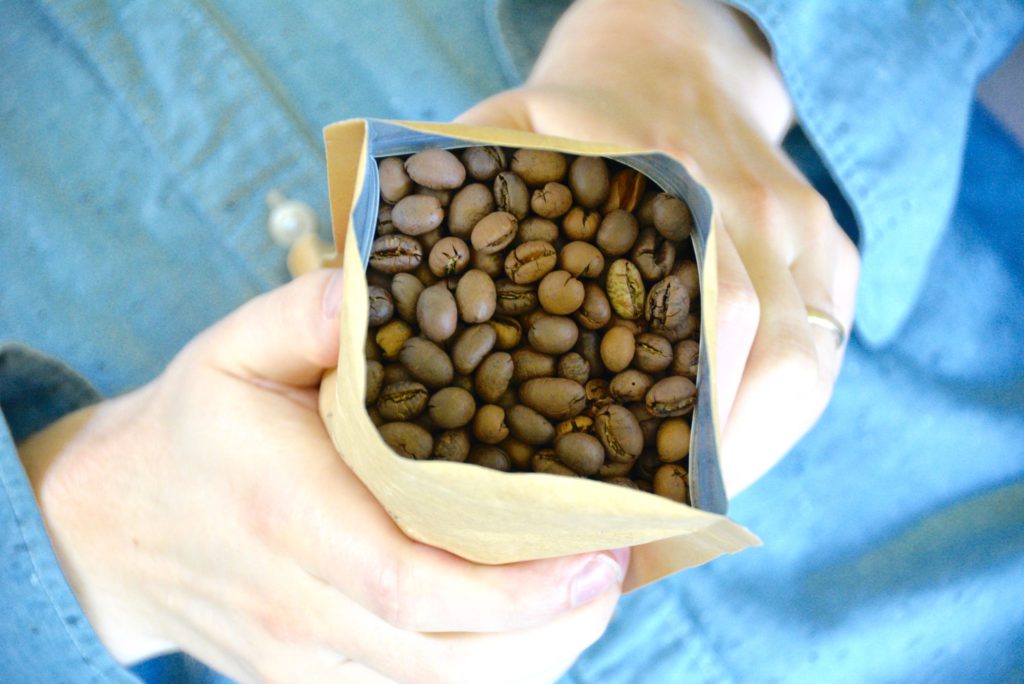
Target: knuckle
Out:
[389,599]
[283,622]
[738,303]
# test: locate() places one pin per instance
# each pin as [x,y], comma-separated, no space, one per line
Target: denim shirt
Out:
[138,141]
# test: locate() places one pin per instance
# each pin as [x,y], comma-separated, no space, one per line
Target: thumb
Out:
[504,110]
[288,335]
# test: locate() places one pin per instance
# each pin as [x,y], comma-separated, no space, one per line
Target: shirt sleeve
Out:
[44,636]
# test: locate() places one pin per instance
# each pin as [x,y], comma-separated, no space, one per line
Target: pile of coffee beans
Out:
[533,311]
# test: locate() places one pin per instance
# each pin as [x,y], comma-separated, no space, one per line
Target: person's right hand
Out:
[208,511]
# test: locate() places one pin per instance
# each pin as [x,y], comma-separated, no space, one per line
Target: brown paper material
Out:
[477,513]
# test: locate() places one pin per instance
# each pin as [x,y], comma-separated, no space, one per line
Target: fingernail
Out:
[332,296]
[600,574]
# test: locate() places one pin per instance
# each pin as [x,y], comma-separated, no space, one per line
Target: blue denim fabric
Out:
[137,142]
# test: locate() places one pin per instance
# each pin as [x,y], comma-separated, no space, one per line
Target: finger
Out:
[498,111]
[288,335]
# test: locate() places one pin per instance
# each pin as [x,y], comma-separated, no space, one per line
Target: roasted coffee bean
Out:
[617,233]
[581,259]
[395,253]
[530,261]
[670,481]
[374,415]
[514,299]
[672,217]
[574,367]
[545,461]
[511,194]
[551,201]
[634,327]
[625,289]
[452,445]
[464,382]
[529,426]
[493,376]
[673,440]
[649,425]
[426,362]
[382,308]
[529,364]
[489,424]
[589,180]
[385,226]
[476,297]
[417,214]
[471,347]
[468,206]
[436,169]
[667,305]
[621,482]
[578,424]
[508,332]
[645,210]
[374,381]
[553,334]
[673,396]
[451,407]
[630,385]
[646,465]
[405,291]
[371,349]
[619,432]
[535,228]
[491,264]
[449,256]
[437,313]
[581,452]
[589,347]
[494,232]
[598,395]
[653,353]
[556,398]
[686,359]
[560,293]
[422,272]
[595,311]
[687,273]
[653,255]
[443,197]
[617,349]
[407,439]
[394,181]
[395,372]
[490,457]
[626,189]
[391,336]
[520,453]
[402,401]
[538,167]
[611,469]
[484,163]
[580,224]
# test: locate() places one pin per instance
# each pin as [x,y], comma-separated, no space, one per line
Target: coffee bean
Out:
[556,398]
[529,364]
[595,311]
[391,336]
[617,233]
[394,181]
[530,261]
[449,256]
[407,439]
[653,353]
[574,367]
[688,274]
[598,395]
[529,426]
[452,445]
[491,264]
[672,396]
[551,201]
[589,180]
[374,381]
[511,194]
[405,291]
[494,232]
[670,481]
[436,169]
[560,293]
[402,401]
[468,206]
[493,376]
[451,407]
[395,253]
[520,453]
[395,372]
[626,189]
[538,167]
[426,362]
[617,349]
[443,197]
[672,217]
[476,297]
[589,347]
[417,214]
[514,299]
[553,334]
[508,332]
[630,385]
[472,346]
[489,424]
[580,224]
[625,289]
[686,358]
[581,259]
[667,305]
[646,465]
[578,424]
[546,462]
[673,441]
[437,313]
[653,255]
[621,482]
[619,432]
[611,469]
[490,457]
[484,163]
[581,452]
[536,228]
[381,306]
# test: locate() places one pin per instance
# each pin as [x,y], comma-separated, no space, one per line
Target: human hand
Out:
[208,511]
[691,80]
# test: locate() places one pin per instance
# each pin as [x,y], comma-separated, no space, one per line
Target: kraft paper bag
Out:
[484,515]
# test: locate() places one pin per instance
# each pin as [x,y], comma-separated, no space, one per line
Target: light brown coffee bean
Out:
[511,194]
[595,311]
[617,349]
[538,167]
[611,469]
[490,457]
[385,226]
[437,313]
[382,308]
[452,445]
[529,426]
[371,350]
[686,359]
[391,336]
[619,432]
[519,453]
[653,353]
[689,276]
[494,232]
[672,217]
[407,439]
[589,180]
[673,440]
[395,253]
[536,228]
[673,396]
[422,272]
[553,334]
[580,224]
[394,181]
[395,372]
[598,395]
[402,401]
[472,346]
[508,332]
[443,197]
[545,461]
[581,452]
[449,256]
[630,385]
[670,481]
[489,424]
[529,364]
[530,261]
[468,206]
[617,233]
[555,398]
[560,293]
[589,347]
[574,367]
[417,214]
[451,407]
[551,201]
[653,255]
[625,289]
[436,169]
[514,299]
[484,163]
[374,381]
[580,423]
[627,187]
[667,305]
[493,376]
[491,264]
[648,424]
[476,297]
[645,209]
[581,259]
[621,482]
[464,382]
[426,362]
[405,291]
